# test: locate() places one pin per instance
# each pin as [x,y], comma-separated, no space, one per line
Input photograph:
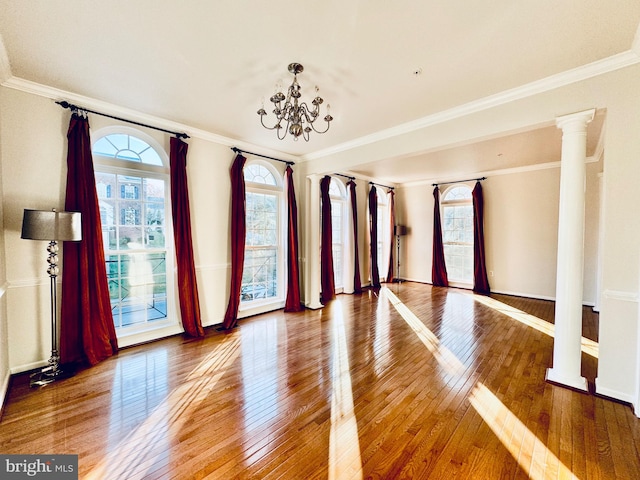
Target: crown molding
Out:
[502,171]
[594,69]
[584,72]
[56,94]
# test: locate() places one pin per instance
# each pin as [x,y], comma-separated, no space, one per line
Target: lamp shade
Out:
[51,225]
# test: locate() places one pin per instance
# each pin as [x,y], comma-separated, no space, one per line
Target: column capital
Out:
[576,122]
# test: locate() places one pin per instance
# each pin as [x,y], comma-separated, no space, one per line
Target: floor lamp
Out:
[53,226]
[399,231]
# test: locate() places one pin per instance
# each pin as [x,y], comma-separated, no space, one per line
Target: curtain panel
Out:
[327,281]
[238,233]
[480,279]
[438,266]
[187,283]
[373,236]
[87,332]
[292,303]
[357,282]
[392,223]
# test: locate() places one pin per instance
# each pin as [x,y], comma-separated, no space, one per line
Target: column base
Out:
[575,383]
[314,305]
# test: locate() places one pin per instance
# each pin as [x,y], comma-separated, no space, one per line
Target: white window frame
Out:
[457,282]
[172,325]
[254,307]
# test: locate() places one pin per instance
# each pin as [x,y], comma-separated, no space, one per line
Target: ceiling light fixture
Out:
[297,116]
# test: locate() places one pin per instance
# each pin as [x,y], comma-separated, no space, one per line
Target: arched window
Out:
[132,182]
[338,195]
[384,240]
[262,278]
[457,233]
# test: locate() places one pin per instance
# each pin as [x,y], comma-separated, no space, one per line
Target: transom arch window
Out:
[132,183]
[338,195]
[457,233]
[262,275]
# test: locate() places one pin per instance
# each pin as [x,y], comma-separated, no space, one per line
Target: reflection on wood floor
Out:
[409,381]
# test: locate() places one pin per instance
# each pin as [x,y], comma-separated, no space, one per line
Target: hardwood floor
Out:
[408,382]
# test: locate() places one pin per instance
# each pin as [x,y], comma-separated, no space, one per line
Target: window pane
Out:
[126,147]
[259,275]
[153,190]
[259,174]
[155,237]
[104,147]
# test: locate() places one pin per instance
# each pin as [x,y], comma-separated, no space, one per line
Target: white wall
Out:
[521,231]
[33,131]
[33,172]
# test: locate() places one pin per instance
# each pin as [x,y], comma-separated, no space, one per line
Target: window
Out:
[132,183]
[457,233]
[384,240]
[263,256]
[338,195]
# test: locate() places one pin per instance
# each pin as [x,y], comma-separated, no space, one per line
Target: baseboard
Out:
[613,394]
[28,367]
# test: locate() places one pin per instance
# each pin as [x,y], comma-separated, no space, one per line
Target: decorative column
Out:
[312,243]
[569,280]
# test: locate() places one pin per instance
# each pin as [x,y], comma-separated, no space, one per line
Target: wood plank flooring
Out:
[410,381]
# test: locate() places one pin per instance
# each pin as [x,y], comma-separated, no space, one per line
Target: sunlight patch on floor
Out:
[588,346]
[344,445]
[532,455]
[447,360]
[140,450]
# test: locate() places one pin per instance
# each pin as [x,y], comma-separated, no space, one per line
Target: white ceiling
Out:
[208,64]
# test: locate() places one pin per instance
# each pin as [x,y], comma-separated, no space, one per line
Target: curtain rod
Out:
[459,181]
[237,150]
[345,176]
[71,106]
[381,185]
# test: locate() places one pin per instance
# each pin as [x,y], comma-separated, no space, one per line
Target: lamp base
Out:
[49,375]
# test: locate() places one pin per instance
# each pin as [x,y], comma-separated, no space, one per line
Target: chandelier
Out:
[293,116]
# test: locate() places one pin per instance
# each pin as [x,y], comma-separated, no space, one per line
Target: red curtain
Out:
[480,280]
[187,283]
[327,282]
[238,232]
[292,303]
[392,223]
[87,333]
[373,231]
[438,267]
[357,282]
